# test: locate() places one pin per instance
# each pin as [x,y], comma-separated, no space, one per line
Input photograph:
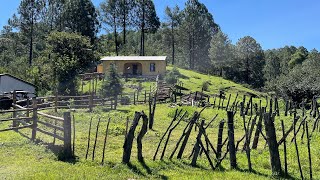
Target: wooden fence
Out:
[31,118]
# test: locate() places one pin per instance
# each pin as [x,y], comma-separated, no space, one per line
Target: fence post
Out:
[231,144]
[272,143]
[219,144]
[28,106]
[56,102]
[134,98]
[34,118]
[145,96]
[14,114]
[91,102]
[67,134]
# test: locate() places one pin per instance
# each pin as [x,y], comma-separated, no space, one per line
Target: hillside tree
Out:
[80,16]
[112,86]
[220,51]
[146,20]
[173,16]
[251,60]
[71,55]
[197,28]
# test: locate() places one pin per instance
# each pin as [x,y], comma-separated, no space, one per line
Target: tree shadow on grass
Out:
[252,171]
[136,170]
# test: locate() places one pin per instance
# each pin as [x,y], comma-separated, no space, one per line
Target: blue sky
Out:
[273,23]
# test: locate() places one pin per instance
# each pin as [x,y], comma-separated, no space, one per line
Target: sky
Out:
[273,23]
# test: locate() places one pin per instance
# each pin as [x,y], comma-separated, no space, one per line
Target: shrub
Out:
[125,100]
[176,72]
[171,78]
[205,85]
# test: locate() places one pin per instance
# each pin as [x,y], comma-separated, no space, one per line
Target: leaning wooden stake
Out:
[231,145]
[186,138]
[180,139]
[258,129]
[169,134]
[95,140]
[142,132]
[219,144]
[309,152]
[207,154]
[127,147]
[247,143]
[197,146]
[88,145]
[105,141]
[297,151]
[284,150]
[165,133]
[272,144]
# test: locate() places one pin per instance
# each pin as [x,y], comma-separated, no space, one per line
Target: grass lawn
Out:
[23,159]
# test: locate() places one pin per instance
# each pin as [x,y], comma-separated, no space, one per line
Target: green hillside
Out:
[23,159]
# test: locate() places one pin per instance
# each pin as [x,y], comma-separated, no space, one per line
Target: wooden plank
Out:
[51,125]
[15,119]
[51,117]
[50,134]
[16,128]
[15,110]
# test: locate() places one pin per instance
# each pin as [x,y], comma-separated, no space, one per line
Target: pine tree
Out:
[146,20]
[197,28]
[80,16]
[112,86]
[174,17]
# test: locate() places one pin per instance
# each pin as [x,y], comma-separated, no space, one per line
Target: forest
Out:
[51,42]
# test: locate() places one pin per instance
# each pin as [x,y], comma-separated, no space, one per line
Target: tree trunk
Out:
[31,39]
[172,36]
[142,29]
[124,21]
[115,35]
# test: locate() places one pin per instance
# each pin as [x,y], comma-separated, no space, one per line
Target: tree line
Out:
[50,42]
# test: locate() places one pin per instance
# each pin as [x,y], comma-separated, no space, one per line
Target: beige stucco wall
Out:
[144,68]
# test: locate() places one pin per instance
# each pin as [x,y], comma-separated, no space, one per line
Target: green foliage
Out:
[205,85]
[301,82]
[220,51]
[71,55]
[250,58]
[197,28]
[80,16]
[171,78]
[298,57]
[112,86]
[271,69]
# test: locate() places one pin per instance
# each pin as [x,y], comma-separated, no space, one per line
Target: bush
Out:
[176,72]
[171,78]
[205,85]
[125,100]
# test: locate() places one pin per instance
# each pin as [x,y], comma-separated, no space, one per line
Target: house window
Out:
[152,67]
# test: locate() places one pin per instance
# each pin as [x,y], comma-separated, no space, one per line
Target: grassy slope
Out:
[22,159]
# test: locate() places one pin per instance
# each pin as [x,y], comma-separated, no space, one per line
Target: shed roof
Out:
[17,79]
[134,58]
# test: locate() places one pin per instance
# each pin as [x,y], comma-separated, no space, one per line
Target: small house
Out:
[132,66]
[9,83]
